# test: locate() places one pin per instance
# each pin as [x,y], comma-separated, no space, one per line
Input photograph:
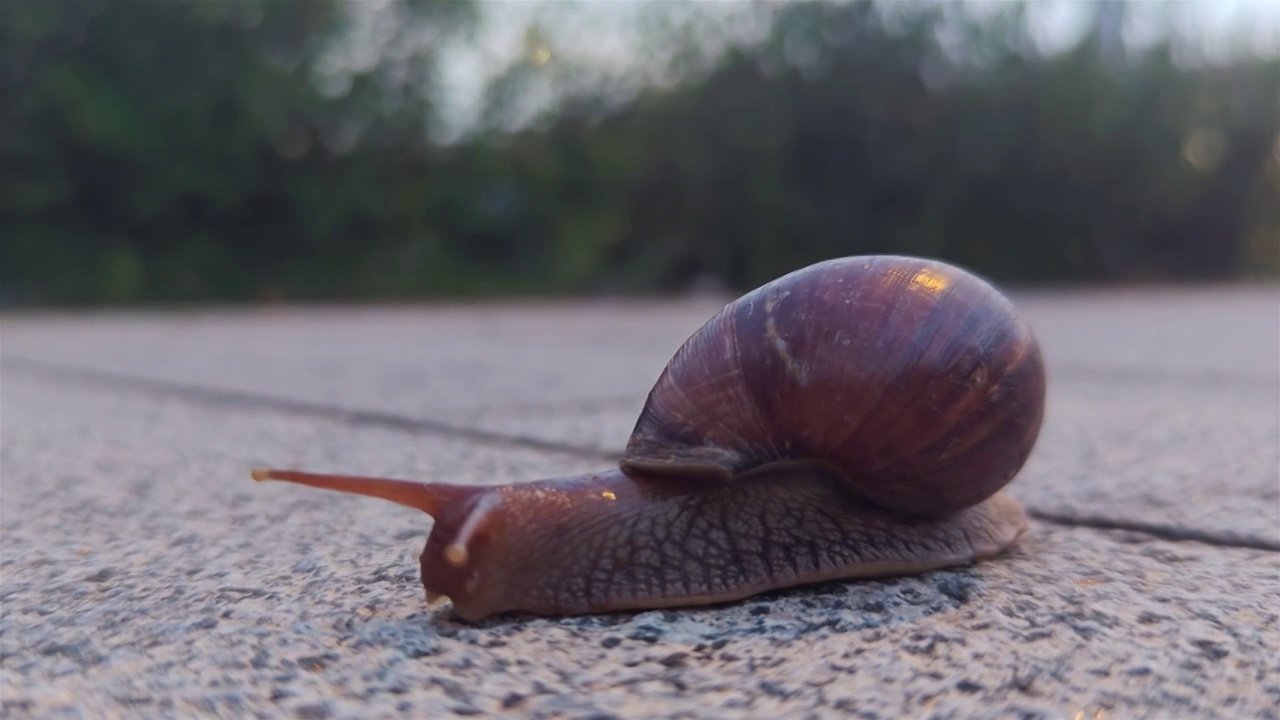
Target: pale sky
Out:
[601,33]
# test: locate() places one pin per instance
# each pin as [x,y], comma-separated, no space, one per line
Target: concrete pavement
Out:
[142,574]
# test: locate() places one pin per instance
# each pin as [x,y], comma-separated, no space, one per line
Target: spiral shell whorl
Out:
[913,378]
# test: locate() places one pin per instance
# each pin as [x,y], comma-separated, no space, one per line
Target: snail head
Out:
[467,529]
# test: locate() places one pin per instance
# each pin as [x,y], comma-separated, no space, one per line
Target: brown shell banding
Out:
[797,368]
[915,378]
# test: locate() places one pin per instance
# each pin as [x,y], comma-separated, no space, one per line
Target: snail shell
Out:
[917,381]
[854,418]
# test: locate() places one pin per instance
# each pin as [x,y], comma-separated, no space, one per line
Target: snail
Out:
[859,417]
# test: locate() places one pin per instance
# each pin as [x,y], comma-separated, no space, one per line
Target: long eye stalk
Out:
[404,492]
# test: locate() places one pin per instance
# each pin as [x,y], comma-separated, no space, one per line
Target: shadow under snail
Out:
[855,418]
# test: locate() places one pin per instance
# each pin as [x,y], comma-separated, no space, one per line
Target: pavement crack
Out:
[1162,531]
[593,404]
[371,418]
[247,400]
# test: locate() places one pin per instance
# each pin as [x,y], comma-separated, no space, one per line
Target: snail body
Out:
[855,418]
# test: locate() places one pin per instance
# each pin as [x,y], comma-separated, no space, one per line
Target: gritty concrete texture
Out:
[1161,334]
[451,364]
[143,575]
[443,364]
[1180,458]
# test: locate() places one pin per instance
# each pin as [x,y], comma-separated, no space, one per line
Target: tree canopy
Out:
[251,149]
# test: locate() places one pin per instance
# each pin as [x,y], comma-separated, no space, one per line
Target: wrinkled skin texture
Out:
[608,541]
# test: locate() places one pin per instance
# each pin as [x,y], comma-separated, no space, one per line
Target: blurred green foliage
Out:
[197,151]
